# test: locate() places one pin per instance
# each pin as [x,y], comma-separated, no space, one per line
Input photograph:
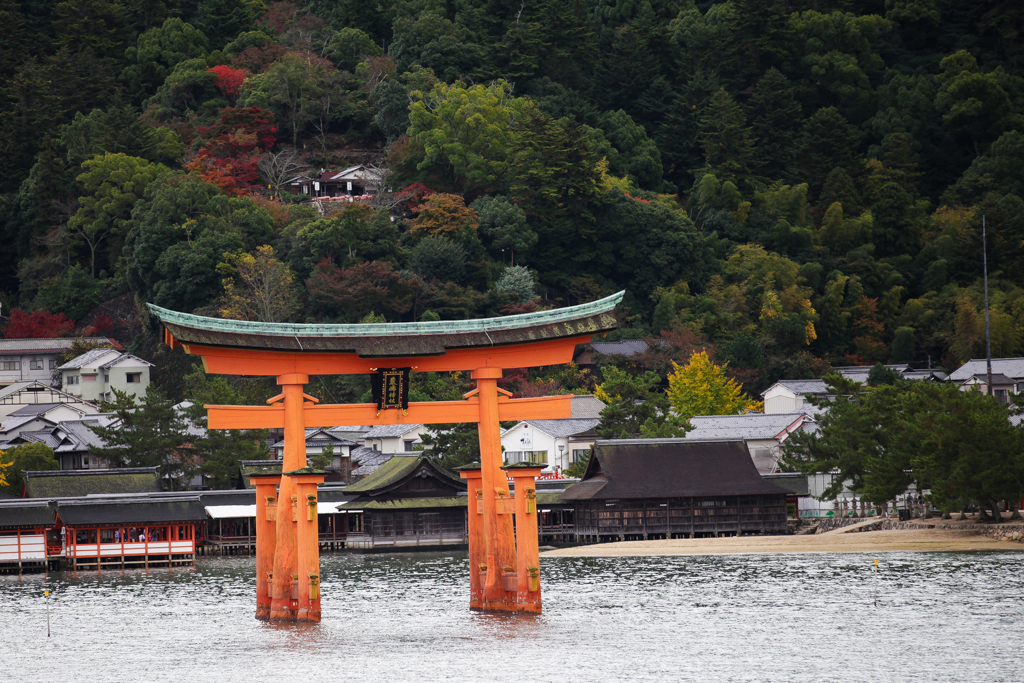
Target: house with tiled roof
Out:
[355,181]
[790,395]
[37,398]
[95,375]
[71,441]
[318,439]
[28,360]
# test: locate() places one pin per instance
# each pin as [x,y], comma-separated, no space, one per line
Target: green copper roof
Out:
[508,322]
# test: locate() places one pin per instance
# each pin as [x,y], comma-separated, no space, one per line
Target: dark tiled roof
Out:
[25,513]
[793,482]
[183,508]
[68,484]
[669,468]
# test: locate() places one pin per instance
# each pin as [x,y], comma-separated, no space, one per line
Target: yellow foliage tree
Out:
[702,388]
[3,468]
[257,287]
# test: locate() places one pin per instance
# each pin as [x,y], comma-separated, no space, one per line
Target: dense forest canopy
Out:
[788,184]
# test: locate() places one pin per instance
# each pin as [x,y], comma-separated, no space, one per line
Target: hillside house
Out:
[94,375]
[555,444]
[355,181]
[1001,388]
[1012,368]
[35,360]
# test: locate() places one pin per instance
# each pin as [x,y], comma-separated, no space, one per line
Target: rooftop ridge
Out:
[433,327]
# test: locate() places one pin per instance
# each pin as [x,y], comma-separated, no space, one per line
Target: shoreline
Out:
[915,540]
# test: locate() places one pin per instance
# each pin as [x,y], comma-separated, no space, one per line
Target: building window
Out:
[580,455]
[106,378]
[133,377]
[88,378]
[35,364]
[409,443]
[53,364]
[532,457]
[10,365]
[1000,395]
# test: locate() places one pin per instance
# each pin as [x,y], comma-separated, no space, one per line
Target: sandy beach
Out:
[919,540]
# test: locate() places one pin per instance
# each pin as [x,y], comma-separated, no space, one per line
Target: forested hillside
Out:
[787,184]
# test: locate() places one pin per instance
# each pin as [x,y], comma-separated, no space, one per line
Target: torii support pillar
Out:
[266,516]
[477,542]
[296,548]
[527,545]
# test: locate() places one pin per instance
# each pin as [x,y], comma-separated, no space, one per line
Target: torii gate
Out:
[504,570]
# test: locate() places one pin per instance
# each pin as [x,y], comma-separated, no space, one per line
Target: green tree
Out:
[467,134]
[635,407]
[114,183]
[159,50]
[294,88]
[978,105]
[220,451]
[436,257]
[152,433]
[29,457]
[775,120]
[726,138]
[628,149]
[519,282]
[827,141]
[504,223]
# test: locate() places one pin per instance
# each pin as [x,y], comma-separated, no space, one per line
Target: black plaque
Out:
[391,388]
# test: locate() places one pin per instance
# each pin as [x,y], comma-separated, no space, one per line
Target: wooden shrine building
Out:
[637,489]
[409,502]
[504,571]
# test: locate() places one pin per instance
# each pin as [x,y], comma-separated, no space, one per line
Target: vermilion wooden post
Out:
[266,513]
[308,545]
[527,547]
[500,544]
[282,604]
[477,542]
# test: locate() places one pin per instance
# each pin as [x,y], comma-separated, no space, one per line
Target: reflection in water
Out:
[941,617]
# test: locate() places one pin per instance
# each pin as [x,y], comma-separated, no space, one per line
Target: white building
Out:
[554,444]
[26,400]
[95,374]
[790,396]
[28,360]
[557,444]
[391,439]
[763,434]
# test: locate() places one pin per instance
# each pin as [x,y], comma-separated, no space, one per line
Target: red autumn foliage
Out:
[100,326]
[518,381]
[228,80]
[232,149]
[38,325]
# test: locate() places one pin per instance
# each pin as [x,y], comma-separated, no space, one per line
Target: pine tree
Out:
[728,146]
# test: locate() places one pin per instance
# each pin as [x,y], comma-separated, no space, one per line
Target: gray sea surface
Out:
[405,617]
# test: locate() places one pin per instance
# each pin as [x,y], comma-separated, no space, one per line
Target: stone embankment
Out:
[1000,532]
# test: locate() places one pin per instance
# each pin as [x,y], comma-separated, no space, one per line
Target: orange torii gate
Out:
[504,569]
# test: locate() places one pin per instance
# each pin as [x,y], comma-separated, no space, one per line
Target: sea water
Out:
[405,617]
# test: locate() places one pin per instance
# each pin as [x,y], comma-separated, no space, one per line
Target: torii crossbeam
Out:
[504,570]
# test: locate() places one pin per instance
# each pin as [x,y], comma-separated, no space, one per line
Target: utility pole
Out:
[988,330]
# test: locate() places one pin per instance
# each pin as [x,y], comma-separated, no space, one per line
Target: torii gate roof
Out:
[389,340]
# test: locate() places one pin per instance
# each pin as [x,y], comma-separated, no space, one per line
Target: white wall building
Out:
[790,396]
[95,374]
[554,444]
[40,399]
[27,360]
